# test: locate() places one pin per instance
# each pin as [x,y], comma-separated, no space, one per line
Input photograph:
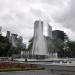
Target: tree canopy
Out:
[5,46]
[64,48]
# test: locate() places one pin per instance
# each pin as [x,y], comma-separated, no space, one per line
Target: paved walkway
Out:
[27,73]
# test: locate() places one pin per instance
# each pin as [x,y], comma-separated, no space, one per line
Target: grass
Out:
[8,67]
[20,69]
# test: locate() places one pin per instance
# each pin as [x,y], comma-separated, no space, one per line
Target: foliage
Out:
[13,50]
[5,46]
[63,48]
[30,44]
[56,46]
[71,45]
[66,49]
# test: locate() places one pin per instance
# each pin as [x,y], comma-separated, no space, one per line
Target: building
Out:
[0,30]
[20,42]
[8,35]
[24,45]
[49,31]
[58,34]
[14,40]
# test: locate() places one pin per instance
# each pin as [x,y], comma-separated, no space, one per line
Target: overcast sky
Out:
[18,16]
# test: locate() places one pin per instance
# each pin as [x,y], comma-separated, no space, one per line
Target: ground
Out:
[27,73]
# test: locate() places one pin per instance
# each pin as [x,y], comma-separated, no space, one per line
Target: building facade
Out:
[0,30]
[58,34]
[14,40]
[8,35]
[49,31]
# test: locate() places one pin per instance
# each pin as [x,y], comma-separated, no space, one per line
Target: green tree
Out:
[71,45]
[30,44]
[5,46]
[56,46]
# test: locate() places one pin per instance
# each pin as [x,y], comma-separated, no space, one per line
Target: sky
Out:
[18,16]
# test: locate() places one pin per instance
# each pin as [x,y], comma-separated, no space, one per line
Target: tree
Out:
[64,48]
[30,44]
[56,46]
[5,46]
[71,45]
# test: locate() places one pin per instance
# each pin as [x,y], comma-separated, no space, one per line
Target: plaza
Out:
[27,73]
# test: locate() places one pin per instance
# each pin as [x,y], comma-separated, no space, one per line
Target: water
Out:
[39,44]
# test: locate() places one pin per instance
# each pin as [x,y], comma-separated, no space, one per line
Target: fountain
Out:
[39,49]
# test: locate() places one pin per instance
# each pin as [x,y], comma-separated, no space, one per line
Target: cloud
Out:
[18,16]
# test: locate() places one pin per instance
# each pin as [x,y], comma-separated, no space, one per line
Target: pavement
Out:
[27,73]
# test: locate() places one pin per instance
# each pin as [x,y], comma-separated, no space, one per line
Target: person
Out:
[25,59]
[11,58]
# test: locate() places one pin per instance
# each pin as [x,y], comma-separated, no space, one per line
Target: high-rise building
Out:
[58,34]
[24,45]
[8,35]
[14,40]
[0,30]
[49,31]
[20,41]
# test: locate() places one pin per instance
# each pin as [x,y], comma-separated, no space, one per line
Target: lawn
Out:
[5,67]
